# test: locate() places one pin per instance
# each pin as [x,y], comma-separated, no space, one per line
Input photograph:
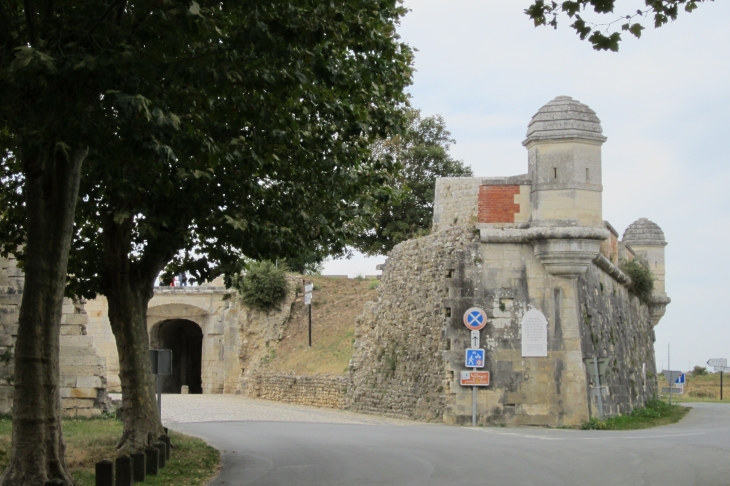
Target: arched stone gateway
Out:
[214,339]
[200,325]
[185,339]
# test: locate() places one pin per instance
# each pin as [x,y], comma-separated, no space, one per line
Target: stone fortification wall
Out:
[318,390]
[410,345]
[398,366]
[82,371]
[618,325]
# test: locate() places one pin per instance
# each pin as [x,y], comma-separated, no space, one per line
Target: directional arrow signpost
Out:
[474,319]
[671,377]
[720,364]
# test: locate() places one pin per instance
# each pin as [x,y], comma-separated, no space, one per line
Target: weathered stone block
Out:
[88,382]
[68,330]
[78,392]
[77,403]
[75,341]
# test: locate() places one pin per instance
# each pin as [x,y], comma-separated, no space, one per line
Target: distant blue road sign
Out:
[474,358]
[475,318]
[680,380]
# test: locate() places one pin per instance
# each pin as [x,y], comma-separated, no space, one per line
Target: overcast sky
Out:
[664,104]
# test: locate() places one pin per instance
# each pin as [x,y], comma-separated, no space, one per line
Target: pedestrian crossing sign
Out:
[474,358]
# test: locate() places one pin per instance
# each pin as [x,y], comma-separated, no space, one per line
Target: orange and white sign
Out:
[475,378]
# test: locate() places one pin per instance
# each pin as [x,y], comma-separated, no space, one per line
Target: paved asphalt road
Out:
[693,452]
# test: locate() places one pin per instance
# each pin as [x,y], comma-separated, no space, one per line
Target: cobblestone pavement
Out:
[177,409]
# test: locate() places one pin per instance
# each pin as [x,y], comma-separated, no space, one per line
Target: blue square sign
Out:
[474,358]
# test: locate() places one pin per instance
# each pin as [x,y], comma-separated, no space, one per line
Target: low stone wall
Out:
[318,390]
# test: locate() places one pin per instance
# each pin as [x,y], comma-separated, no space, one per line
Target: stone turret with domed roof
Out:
[564,141]
[647,240]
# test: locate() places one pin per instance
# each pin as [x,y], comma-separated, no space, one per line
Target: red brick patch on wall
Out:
[497,204]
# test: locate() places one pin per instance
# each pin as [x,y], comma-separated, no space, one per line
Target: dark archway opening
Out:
[185,339]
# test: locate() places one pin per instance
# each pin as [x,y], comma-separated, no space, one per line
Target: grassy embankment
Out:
[336,304]
[701,388]
[192,462]
[656,413]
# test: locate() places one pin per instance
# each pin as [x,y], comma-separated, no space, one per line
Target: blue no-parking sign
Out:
[474,358]
[475,318]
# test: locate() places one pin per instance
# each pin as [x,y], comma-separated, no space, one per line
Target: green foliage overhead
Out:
[263,287]
[235,129]
[603,35]
[642,281]
[215,131]
[423,152]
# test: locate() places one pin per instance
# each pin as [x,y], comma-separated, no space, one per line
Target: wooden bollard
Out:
[162,447]
[124,471]
[139,468]
[166,440]
[105,473]
[152,456]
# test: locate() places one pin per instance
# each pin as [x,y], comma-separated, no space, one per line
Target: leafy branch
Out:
[602,35]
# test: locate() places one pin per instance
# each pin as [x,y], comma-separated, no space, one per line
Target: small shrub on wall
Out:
[263,287]
[642,281]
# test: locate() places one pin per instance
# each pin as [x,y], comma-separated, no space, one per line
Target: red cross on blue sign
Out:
[475,318]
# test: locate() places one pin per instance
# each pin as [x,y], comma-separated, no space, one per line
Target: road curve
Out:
[693,452]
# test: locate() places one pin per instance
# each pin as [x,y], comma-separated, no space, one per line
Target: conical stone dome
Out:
[564,118]
[644,232]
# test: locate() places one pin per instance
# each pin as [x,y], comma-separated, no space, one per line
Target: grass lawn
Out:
[337,303]
[655,413]
[192,462]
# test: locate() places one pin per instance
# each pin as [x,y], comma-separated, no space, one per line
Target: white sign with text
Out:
[534,334]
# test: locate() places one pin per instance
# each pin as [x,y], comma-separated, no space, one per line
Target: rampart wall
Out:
[410,345]
[318,390]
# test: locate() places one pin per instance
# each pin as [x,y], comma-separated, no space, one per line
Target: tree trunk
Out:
[38,451]
[129,288]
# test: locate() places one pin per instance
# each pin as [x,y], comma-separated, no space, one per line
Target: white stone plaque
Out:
[534,334]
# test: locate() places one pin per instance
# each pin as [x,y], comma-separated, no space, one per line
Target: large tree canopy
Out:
[603,35]
[214,130]
[423,151]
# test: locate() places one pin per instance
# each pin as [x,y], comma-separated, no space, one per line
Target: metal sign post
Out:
[475,359]
[161,363]
[598,384]
[474,405]
[475,319]
[308,302]
[720,364]
[596,367]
